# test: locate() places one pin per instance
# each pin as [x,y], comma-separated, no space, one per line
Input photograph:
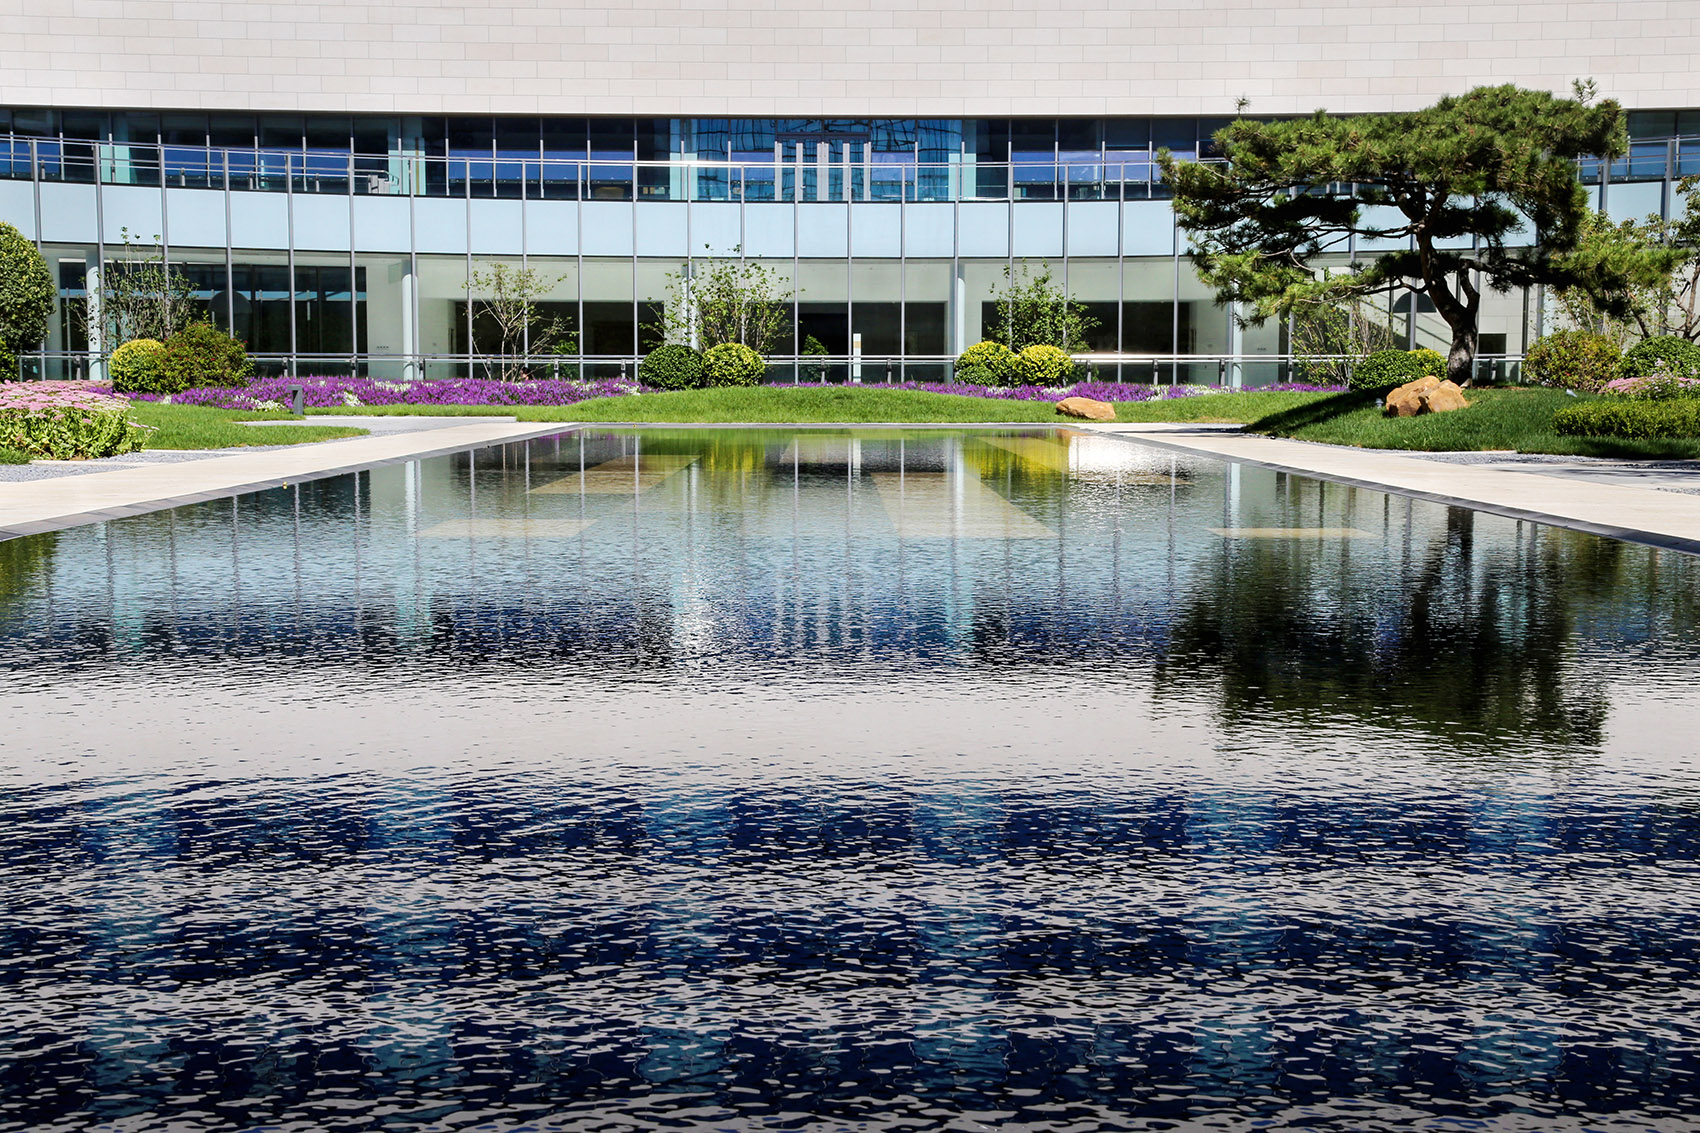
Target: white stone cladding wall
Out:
[896,58]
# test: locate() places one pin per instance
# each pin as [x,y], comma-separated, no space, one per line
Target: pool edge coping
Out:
[61,521]
[1644,536]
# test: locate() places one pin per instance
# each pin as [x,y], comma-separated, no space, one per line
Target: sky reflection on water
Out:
[750,780]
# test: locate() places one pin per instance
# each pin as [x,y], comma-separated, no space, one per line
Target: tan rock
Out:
[1086,409]
[1444,397]
[1407,400]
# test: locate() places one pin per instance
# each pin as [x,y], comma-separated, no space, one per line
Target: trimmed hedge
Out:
[1661,352]
[993,357]
[1388,368]
[1040,365]
[1632,420]
[138,366]
[731,364]
[672,365]
[1571,359]
[202,355]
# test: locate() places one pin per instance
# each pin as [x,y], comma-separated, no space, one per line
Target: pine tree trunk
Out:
[1461,360]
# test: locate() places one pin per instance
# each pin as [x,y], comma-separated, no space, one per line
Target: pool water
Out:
[729,779]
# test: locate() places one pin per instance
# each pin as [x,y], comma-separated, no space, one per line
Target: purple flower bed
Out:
[338,393]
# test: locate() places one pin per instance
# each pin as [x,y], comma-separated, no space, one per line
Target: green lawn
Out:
[195,426]
[1497,419]
[778,405]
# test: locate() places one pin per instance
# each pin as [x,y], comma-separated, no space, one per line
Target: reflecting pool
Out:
[726,779]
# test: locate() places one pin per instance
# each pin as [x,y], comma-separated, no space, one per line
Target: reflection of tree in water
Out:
[22,562]
[1464,638]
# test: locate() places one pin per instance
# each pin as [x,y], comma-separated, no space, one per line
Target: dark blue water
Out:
[951,782]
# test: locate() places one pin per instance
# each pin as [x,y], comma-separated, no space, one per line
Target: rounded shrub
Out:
[1388,368]
[138,366]
[1663,352]
[1426,362]
[731,364]
[1041,365]
[26,293]
[1571,359]
[202,355]
[672,365]
[975,376]
[993,357]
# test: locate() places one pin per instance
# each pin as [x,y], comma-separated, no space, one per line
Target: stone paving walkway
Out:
[113,490]
[1620,499]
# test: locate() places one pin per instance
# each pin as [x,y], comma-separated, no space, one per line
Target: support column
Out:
[959,310]
[93,286]
[1236,346]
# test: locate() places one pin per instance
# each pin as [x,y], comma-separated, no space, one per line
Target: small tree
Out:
[26,297]
[1656,302]
[717,301]
[139,295]
[508,297]
[1033,311]
[1460,184]
[1327,338]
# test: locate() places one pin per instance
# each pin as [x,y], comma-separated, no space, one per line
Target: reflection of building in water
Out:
[933,547]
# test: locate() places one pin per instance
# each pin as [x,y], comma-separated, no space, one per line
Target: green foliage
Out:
[1428,361]
[1660,258]
[141,296]
[1388,368]
[1042,365]
[202,355]
[813,371]
[26,295]
[1571,359]
[1630,419]
[994,358]
[1664,352]
[671,365]
[1032,311]
[138,366]
[976,376]
[1488,164]
[505,298]
[67,426]
[13,456]
[1328,339]
[731,364]
[738,301]
[8,364]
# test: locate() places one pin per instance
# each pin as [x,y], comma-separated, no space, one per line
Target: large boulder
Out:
[1086,409]
[1407,400]
[1425,395]
[1447,395]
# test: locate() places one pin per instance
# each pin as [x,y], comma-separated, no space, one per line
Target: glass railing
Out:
[888,178]
[1136,177]
[570,179]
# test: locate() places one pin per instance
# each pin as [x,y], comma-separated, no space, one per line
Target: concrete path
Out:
[1541,493]
[48,505]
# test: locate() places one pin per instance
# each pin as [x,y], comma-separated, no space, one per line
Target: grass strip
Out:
[779,405]
[1518,420]
[197,427]
[13,456]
